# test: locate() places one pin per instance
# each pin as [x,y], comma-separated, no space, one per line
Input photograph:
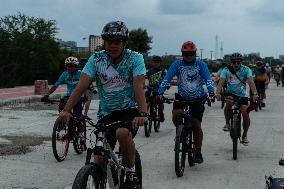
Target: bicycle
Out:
[154,117]
[235,126]
[184,144]
[63,135]
[112,168]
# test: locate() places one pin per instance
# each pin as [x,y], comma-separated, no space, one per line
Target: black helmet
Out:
[115,30]
[156,59]
[236,56]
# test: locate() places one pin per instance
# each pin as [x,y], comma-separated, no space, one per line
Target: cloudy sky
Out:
[241,25]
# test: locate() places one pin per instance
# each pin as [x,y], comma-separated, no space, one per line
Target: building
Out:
[95,42]
[67,44]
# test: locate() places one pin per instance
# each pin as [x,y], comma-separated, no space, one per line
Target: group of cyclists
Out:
[120,80]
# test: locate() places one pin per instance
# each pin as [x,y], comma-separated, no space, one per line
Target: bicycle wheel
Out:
[157,122]
[138,170]
[60,140]
[79,138]
[235,134]
[190,149]
[148,127]
[180,153]
[89,176]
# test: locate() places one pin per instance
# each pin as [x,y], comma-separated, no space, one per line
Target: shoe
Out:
[198,158]
[162,118]
[226,127]
[245,141]
[132,181]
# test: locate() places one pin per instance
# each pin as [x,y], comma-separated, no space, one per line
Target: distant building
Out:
[94,42]
[82,50]
[67,44]
[281,57]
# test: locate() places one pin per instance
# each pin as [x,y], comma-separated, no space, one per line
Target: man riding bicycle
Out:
[155,76]
[120,75]
[236,76]
[70,77]
[260,78]
[191,74]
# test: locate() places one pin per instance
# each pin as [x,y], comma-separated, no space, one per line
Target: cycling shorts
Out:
[242,100]
[119,115]
[197,107]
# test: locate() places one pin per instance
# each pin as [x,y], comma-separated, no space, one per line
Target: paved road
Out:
[39,169]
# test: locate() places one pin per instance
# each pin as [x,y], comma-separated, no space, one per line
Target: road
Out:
[39,169]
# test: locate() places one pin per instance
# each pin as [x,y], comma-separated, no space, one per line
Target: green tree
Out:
[28,50]
[139,41]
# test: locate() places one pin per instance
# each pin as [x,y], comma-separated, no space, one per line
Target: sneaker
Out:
[132,181]
[198,158]
[226,127]
[245,141]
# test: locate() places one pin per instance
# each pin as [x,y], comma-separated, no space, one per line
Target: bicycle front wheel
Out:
[180,153]
[235,134]
[79,138]
[89,177]
[157,122]
[60,140]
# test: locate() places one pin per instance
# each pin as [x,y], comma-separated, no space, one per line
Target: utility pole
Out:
[201,53]
[211,52]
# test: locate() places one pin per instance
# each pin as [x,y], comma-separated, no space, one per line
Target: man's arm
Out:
[138,85]
[220,85]
[81,87]
[252,85]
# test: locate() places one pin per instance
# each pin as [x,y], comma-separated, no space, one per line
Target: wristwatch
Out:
[143,114]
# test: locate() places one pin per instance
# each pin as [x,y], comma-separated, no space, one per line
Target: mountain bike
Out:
[154,117]
[235,126]
[63,135]
[184,143]
[113,166]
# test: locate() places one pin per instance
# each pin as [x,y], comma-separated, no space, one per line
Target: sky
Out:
[243,26]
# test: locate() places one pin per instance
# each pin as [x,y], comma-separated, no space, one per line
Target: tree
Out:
[28,50]
[139,41]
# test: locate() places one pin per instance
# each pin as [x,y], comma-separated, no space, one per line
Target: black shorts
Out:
[242,100]
[260,86]
[119,115]
[197,107]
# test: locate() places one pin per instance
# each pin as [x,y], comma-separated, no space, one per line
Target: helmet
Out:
[188,46]
[259,63]
[236,56]
[71,60]
[115,30]
[266,64]
[156,59]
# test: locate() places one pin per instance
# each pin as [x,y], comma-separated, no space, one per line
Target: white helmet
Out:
[71,60]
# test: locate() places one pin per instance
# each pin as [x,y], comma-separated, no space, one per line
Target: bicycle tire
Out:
[157,122]
[138,170]
[97,179]
[148,127]
[191,150]
[56,140]
[78,146]
[179,150]
[235,135]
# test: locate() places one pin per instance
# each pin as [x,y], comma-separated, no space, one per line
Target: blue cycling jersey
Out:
[71,80]
[191,77]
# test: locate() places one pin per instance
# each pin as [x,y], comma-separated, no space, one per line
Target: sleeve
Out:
[249,73]
[170,74]
[60,80]
[139,66]
[223,73]
[90,68]
[207,77]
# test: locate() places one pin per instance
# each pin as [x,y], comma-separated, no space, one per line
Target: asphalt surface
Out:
[39,169]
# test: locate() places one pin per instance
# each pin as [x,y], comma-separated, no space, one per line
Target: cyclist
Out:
[236,76]
[282,75]
[155,76]
[277,74]
[120,75]
[191,74]
[268,71]
[70,77]
[259,79]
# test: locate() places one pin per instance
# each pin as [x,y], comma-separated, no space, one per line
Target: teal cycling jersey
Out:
[71,80]
[115,81]
[234,85]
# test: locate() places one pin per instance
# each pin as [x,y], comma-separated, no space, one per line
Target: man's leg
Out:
[86,107]
[227,112]
[246,124]
[161,112]
[177,115]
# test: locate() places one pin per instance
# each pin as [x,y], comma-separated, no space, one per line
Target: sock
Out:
[132,169]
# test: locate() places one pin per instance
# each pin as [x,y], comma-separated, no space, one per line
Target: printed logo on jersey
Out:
[190,79]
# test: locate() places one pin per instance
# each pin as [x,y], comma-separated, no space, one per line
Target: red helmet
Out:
[188,47]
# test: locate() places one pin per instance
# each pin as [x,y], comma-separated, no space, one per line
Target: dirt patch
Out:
[20,144]
[32,106]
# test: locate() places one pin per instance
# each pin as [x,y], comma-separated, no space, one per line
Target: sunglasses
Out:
[70,65]
[236,62]
[188,53]
[113,41]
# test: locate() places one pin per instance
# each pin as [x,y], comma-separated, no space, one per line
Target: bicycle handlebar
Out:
[204,101]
